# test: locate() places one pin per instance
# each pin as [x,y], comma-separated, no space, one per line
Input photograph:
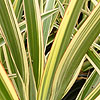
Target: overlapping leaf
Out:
[12,36]
[7,91]
[59,46]
[89,85]
[46,23]
[75,52]
[35,38]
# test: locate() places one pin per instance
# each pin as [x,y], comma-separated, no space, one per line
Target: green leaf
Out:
[2,59]
[86,66]
[80,24]
[93,95]
[74,76]
[1,41]
[17,4]
[85,12]
[11,76]
[94,59]
[32,86]
[12,35]
[60,44]
[96,46]
[46,23]
[89,85]
[49,13]
[17,82]
[51,38]
[22,26]
[61,8]
[74,53]
[19,17]
[7,91]
[41,5]
[35,38]
[54,17]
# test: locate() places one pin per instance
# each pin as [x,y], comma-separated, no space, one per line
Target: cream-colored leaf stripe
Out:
[7,83]
[74,53]
[60,44]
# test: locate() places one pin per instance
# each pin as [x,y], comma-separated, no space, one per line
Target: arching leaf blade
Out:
[7,90]
[12,36]
[75,52]
[89,85]
[60,44]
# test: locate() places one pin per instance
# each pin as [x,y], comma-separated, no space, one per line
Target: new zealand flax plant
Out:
[31,71]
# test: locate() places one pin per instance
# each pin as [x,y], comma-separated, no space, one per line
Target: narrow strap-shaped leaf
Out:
[14,39]
[35,37]
[61,8]
[7,91]
[2,42]
[94,94]
[74,76]
[2,59]
[22,26]
[96,46]
[89,85]
[46,23]
[47,14]
[80,24]
[60,44]
[54,17]
[16,6]
[75,52]
[12,76]
[86,66]
[62,11]
[41,5]
[85,12]
[94,59]
[19,17]
[32,86]
[12,35]
[17,82]
[51,38]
